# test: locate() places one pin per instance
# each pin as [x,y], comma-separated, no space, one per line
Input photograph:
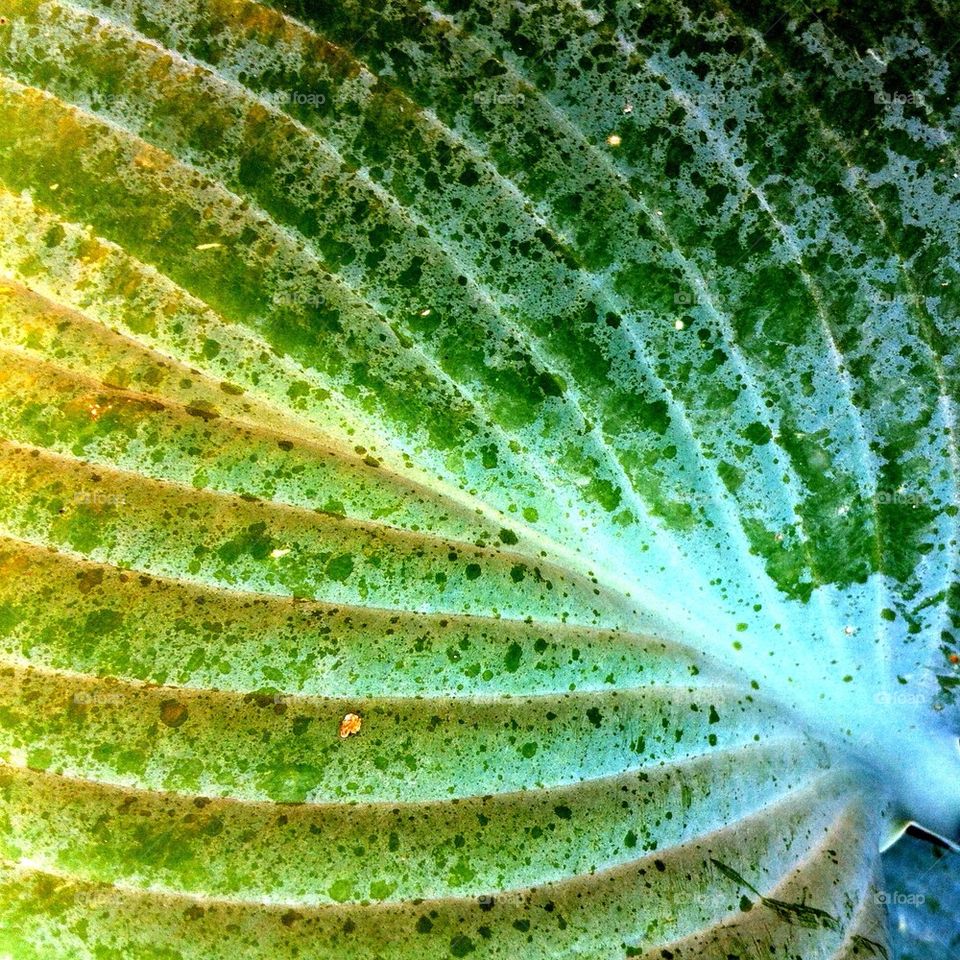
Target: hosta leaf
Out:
[480,479]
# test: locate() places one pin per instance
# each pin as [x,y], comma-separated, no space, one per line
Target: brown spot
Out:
[173,713]
[202,412]
[954,658]
[350,725]
[87,580]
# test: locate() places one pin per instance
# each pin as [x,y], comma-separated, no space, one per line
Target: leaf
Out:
[480,480]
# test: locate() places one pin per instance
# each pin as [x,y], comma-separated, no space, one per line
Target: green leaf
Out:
[479,479]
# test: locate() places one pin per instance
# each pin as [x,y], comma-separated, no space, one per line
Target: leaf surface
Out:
[565,391]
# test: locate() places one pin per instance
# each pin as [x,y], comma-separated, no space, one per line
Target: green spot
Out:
[511,662]
[341,890]
[757,433]
[340,568]
[461,945]
[381,889]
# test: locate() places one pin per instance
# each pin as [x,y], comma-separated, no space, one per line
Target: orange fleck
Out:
[350,725]
[954,658]
[149,158]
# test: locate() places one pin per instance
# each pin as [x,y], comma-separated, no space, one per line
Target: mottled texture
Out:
[563,390]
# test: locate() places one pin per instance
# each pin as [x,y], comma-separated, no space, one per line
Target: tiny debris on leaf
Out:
[350,725]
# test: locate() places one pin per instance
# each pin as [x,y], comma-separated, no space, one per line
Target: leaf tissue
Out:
[480,479]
